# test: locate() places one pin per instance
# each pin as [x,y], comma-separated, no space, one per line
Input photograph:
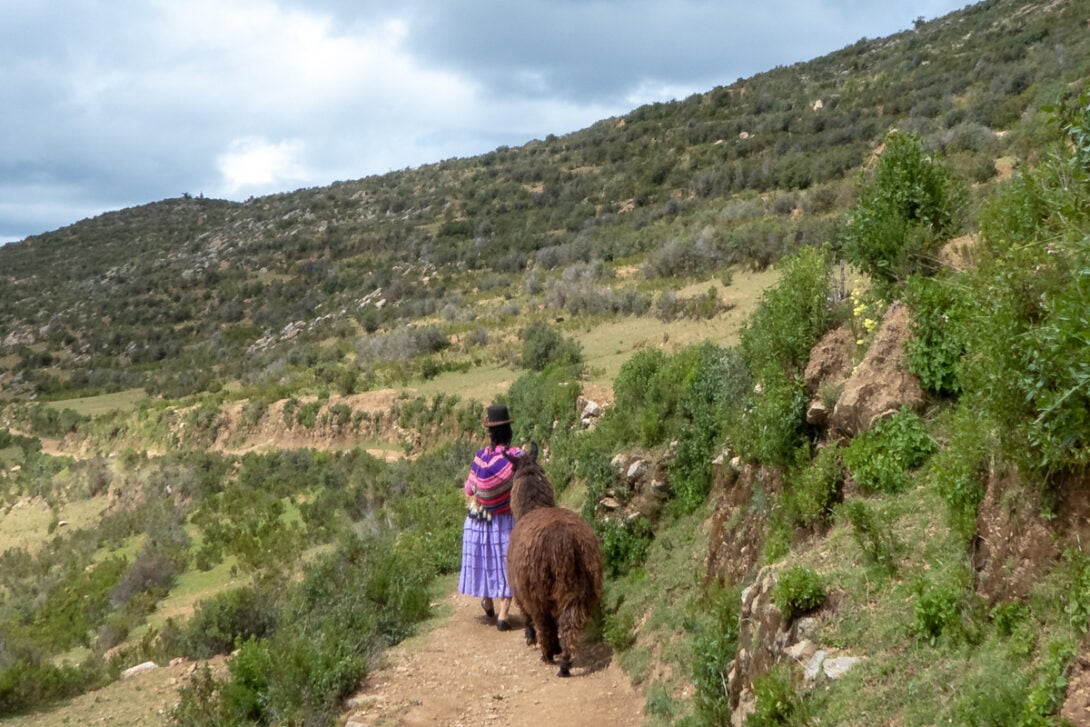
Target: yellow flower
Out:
[869,324]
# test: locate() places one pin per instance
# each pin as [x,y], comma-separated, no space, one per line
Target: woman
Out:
[489,520]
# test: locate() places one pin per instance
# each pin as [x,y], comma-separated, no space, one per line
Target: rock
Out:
[802,651]
[636,470]
[830,361]
[134,670]
[609,503]
[882,383]
[838,666]
[813,667]
[592,410]
[817,413]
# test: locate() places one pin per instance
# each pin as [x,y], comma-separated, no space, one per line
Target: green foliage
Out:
[1026,366]
[790,317]
[624,545]
[619,629]
[220,624]
[714,643]
[907,207]
[798,591]
[946,606]
[353,602]
[873,534]
[711,387]
[72,611]
[778,700]
[31,683]
[1046,696]
[959,470]
[543,345]
[937,345]
[880,459]
[772,427]
[814,487]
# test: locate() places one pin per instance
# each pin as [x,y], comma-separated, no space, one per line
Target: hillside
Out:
[808,351]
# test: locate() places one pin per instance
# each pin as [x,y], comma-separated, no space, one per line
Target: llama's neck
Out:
[530,491]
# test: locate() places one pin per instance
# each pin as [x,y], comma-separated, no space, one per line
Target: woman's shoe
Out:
[502,625]
[489,610]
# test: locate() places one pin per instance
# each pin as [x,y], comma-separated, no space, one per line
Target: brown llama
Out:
[554,565]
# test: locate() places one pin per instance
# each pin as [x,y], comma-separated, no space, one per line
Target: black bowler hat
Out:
[497,415]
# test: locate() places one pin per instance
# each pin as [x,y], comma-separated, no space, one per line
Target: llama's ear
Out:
[533,450]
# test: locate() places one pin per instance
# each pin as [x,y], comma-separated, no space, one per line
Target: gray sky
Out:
[106,104]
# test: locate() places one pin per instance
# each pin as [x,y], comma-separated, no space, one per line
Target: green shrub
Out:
[790,317]
[220,623]
[798,591]
[872,534]
[543,345]
[619,629]
[624,545]
[1026,334]
[772,427]
[814,488]
[879,459]
[959,470]
[714,643]
[778,700]
[946,607]
[31,682]
[938,340]
[907,207]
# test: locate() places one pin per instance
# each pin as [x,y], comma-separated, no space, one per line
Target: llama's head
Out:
[530,488]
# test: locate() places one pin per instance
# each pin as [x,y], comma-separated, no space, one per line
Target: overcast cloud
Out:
[105,104]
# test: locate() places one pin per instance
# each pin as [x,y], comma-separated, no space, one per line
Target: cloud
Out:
[256,163]
[106,105]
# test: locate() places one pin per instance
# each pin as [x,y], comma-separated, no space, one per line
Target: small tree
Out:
[908,206]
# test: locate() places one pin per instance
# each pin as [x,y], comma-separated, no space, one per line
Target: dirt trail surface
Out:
[464,672]
[458,672]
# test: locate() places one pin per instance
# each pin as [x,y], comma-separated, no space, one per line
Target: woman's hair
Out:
[500,434]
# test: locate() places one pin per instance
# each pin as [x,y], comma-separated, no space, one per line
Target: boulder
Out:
[881,384]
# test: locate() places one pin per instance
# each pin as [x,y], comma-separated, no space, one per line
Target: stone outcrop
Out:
[881,384]
[766,638]
[640,489]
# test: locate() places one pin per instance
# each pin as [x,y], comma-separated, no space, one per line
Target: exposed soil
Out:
[463,671]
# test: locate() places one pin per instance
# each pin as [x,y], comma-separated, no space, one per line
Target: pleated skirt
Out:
[484,557]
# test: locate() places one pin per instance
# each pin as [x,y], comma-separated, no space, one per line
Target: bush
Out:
[778,700]
[959,470]
[624,545]
[907,207]
[879,459]
[790,317]
[543,345]
[938,339]
[798,591]
[221,623]
[873,535]
[814,488]
[714,644]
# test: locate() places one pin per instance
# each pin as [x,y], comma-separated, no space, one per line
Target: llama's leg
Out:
[570,632]
[530,633]
[546,637]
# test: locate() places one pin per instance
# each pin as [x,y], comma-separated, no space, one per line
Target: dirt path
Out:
[463,672]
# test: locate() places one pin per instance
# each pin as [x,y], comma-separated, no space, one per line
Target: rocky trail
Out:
[462,671]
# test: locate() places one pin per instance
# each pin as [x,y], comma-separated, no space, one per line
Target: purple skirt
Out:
[484,557]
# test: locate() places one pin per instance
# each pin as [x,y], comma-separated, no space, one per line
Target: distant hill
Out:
[187,293]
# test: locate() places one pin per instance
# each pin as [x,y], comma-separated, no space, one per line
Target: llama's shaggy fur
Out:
[554,564]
